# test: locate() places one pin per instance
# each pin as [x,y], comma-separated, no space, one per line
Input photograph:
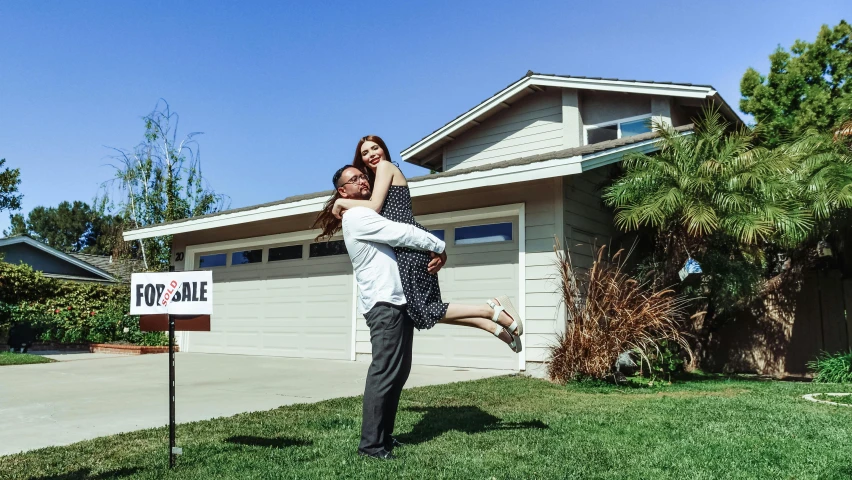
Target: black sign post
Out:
[172,323]
[172,447]
[172,301]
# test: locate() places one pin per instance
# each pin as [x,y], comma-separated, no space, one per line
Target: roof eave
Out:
[427,185]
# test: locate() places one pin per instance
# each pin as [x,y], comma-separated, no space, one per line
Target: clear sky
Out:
[283,91]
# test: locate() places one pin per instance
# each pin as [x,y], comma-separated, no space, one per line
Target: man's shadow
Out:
[437,421]
[85,474]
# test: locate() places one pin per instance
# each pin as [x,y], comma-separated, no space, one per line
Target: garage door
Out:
[279,300]
[482,263]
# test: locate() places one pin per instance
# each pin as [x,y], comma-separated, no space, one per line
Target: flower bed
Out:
[128,349]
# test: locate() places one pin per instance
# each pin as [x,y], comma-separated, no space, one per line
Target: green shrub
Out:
[832,367]
[69,312]
[668,360]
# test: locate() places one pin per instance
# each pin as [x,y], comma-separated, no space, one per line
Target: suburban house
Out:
[75,267]
[513,173]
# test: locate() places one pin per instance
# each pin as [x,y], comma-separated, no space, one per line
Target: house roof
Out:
[423,151]
[74,278]
[104,276]
[118,268]
[570,161]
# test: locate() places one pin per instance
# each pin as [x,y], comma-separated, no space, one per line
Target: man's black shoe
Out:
[396,443]
[381,455]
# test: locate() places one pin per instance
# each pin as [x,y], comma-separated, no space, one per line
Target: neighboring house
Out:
[514,172]
[119,269]
[77,267]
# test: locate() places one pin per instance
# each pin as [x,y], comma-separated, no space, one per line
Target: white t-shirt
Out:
[370,239]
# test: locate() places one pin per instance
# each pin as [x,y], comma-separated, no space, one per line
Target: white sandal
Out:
[504,304]
[515,345]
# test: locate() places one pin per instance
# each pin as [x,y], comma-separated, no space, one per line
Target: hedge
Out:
[69,312]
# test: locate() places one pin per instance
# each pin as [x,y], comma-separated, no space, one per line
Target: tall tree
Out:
[18,225]
[70,227]
[66,227]
[808,87]
[10,180]
[159,181]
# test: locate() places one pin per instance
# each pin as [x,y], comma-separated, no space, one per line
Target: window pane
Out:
[495,232]
[602,134]
[636,127]
[325,249]
[247,256]
[293,252]
[437,233]
[216,260]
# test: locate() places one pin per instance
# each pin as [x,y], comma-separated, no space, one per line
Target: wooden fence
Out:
[788,328]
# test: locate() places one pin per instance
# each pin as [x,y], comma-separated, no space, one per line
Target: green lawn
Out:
[507,427]
[9,358]
[847,400]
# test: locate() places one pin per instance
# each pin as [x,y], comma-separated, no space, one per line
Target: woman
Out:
[391,199]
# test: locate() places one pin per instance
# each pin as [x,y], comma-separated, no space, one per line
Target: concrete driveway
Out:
[91,395]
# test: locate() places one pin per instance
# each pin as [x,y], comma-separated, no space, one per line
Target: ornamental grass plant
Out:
[607,313]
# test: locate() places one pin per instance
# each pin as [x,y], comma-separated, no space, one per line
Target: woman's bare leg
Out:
[459,311]
[480,323]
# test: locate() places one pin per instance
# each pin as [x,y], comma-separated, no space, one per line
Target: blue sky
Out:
[282,91]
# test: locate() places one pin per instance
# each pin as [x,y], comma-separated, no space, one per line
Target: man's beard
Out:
[359,195]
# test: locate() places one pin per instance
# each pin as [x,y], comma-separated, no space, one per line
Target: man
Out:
[369,240]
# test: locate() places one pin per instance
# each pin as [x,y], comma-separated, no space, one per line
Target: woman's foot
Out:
[505,320]
[512,341]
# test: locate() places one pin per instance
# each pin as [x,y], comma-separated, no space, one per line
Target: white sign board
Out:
[175,293]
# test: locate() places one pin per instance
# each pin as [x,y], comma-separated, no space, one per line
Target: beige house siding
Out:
[588,223]
[601,107]
[530,127]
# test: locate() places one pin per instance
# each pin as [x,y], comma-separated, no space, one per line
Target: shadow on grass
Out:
[84,474]
[278,442]
[740,377]
[467,419]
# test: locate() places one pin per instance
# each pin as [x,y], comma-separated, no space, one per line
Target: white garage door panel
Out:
[300,308]
[473,273]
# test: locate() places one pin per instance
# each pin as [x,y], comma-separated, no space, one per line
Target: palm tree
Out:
[714,181]
[825,171]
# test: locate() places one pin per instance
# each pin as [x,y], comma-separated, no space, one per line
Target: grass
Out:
[9,358]
[507,427]
[847,400]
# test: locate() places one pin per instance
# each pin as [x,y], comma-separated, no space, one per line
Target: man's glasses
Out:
[356,179]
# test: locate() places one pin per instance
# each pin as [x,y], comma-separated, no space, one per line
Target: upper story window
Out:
[626,127]
[438,233]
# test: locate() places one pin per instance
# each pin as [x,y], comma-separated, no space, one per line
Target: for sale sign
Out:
[174,293]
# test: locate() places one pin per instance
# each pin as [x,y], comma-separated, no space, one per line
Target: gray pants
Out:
[391,334]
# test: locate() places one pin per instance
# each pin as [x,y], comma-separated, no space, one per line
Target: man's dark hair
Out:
[328,223]
[338,173]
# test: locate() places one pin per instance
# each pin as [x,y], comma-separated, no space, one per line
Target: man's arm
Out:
[367,225]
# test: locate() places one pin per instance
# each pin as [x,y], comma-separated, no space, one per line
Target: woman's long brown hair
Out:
[326,221]
[358,162]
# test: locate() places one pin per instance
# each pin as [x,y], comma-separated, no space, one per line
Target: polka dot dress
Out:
[421,288]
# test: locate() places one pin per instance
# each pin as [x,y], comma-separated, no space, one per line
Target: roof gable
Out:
[428,150]
[97,273]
